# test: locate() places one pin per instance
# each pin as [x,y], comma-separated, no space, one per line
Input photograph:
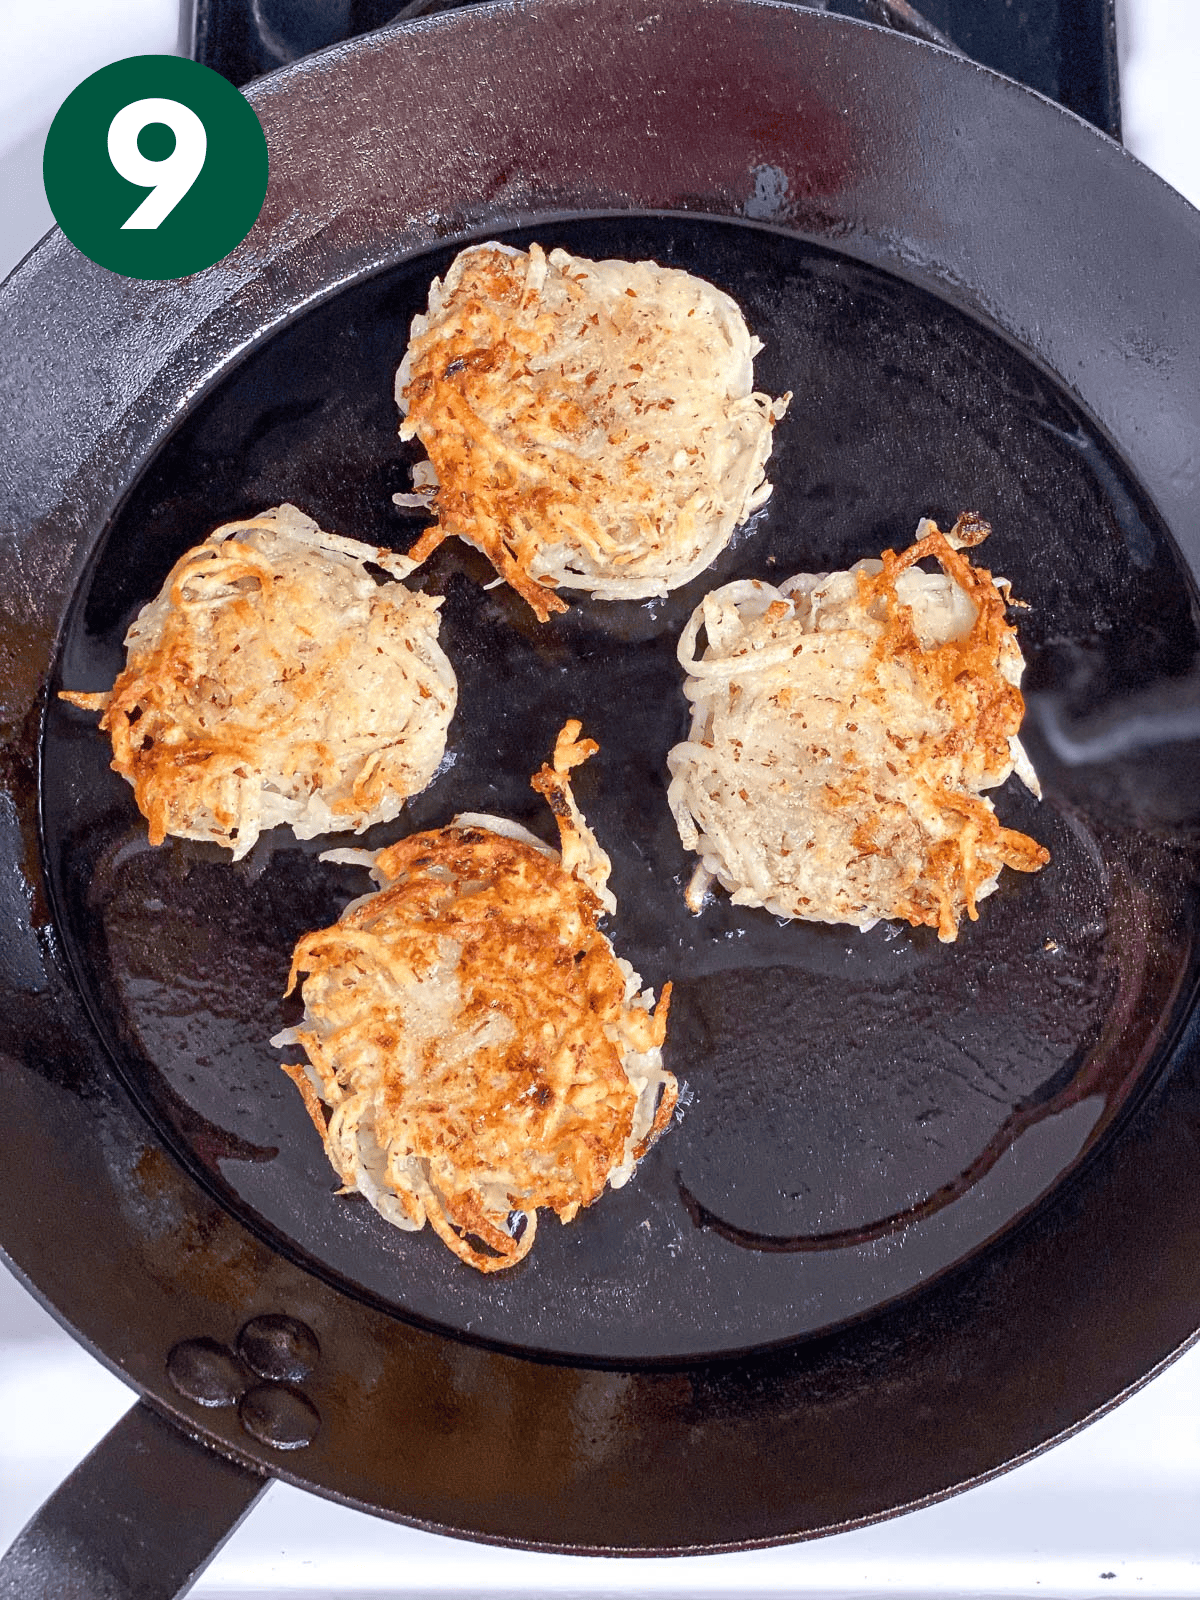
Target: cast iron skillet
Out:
[928,1209]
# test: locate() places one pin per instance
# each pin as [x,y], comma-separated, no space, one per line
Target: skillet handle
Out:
[904,18]
[139,1519]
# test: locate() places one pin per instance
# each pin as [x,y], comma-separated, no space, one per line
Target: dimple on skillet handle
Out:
[139,1519]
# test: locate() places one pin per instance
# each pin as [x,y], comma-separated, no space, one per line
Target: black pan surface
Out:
[863,1110]
[927,1208]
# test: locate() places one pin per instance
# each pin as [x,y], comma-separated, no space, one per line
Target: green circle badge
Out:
[155,167]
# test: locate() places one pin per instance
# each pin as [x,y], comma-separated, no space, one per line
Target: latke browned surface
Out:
[591,425]
[844,728]
[274,681]
[482,1051]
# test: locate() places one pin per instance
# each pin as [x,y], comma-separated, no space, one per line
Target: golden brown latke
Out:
[844,726]
[481,1050]
[590,424]
[274,681]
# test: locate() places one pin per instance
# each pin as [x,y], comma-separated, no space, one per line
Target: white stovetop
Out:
[1111,1513]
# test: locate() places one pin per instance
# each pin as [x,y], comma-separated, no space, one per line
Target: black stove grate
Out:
[1064,48]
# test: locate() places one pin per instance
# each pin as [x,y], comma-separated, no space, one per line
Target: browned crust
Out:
[986,711]
[551,1105]
[532,455]
[888,798]
[145,712]
[488,492]
[312,1100]
[187,742]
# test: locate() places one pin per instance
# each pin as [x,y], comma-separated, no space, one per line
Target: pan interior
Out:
[864,1111]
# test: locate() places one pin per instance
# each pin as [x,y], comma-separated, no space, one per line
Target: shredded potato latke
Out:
[844,726]
[475,1048]
[590,424]
[274,681]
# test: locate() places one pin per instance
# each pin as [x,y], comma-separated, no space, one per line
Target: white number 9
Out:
[168,179]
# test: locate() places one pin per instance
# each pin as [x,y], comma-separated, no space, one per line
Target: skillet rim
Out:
[264,284]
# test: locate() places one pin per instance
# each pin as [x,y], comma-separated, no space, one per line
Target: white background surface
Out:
[1113,1512]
